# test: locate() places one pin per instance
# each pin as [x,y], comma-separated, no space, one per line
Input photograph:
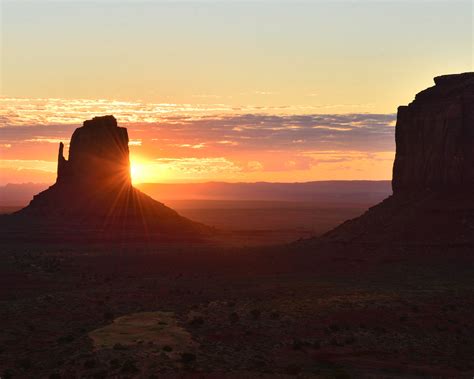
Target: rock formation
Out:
[93,196]
[435,137]
[98,153]
[433,173]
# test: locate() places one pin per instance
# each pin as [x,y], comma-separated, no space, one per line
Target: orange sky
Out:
[224,90]
[176,143]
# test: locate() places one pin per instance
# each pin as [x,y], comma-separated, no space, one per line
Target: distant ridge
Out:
[341,192]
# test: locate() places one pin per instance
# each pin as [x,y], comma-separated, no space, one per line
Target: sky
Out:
[223,90]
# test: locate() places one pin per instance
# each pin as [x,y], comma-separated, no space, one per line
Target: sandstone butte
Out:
[433,174]
[93,196]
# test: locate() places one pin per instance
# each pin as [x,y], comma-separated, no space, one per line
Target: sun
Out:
[136,172]
[141,171]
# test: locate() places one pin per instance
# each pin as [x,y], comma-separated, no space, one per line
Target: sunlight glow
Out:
[141,171]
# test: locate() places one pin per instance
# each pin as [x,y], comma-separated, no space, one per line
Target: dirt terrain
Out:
[261,222]
[320,311]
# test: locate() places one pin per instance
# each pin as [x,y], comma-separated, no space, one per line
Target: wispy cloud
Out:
[24,111]
[215,145]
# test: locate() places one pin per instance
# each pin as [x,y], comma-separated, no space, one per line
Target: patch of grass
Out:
[129,330]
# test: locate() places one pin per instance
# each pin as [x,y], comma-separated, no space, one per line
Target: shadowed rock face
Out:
[433,173]
[93,195]
[98,153]
[435,137]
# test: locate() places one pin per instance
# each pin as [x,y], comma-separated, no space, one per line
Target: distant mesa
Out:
[433,173]
[93,196]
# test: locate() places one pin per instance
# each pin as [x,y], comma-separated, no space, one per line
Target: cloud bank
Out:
[176,143]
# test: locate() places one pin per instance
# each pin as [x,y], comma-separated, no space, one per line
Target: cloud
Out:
[334,156]
[196,165]
[28,164]
[44,139]
[24,111]
[206,145]
[191,146]
[135,142]
[365,132]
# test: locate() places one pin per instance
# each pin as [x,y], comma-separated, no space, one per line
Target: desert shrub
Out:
[101,374]
[234,317]
[187,358]
[129,366]
[114,363]
[196,321]
[292,369]
[108,315]
[298,344]
[341,374]
[274,315]
[90,363]
[336,342]
[255,314]
[119,346]
[66,339]
[349,340]
[301,344]
[24,363]
[258,361]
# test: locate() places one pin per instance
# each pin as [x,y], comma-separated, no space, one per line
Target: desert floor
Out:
[306,309]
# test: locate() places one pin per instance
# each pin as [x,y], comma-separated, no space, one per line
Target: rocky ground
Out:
[322,311]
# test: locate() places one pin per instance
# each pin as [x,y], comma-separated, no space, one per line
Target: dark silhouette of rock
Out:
[435,137]
[98,153]
[433,174]
[93,195]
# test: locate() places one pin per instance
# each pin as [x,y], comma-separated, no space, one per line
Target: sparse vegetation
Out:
[129,366]
[188,358]
[234,317]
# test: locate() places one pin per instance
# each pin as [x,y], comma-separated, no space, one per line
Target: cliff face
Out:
[435,138]
[433,173]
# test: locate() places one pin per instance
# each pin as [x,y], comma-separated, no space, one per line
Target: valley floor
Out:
[322,311]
